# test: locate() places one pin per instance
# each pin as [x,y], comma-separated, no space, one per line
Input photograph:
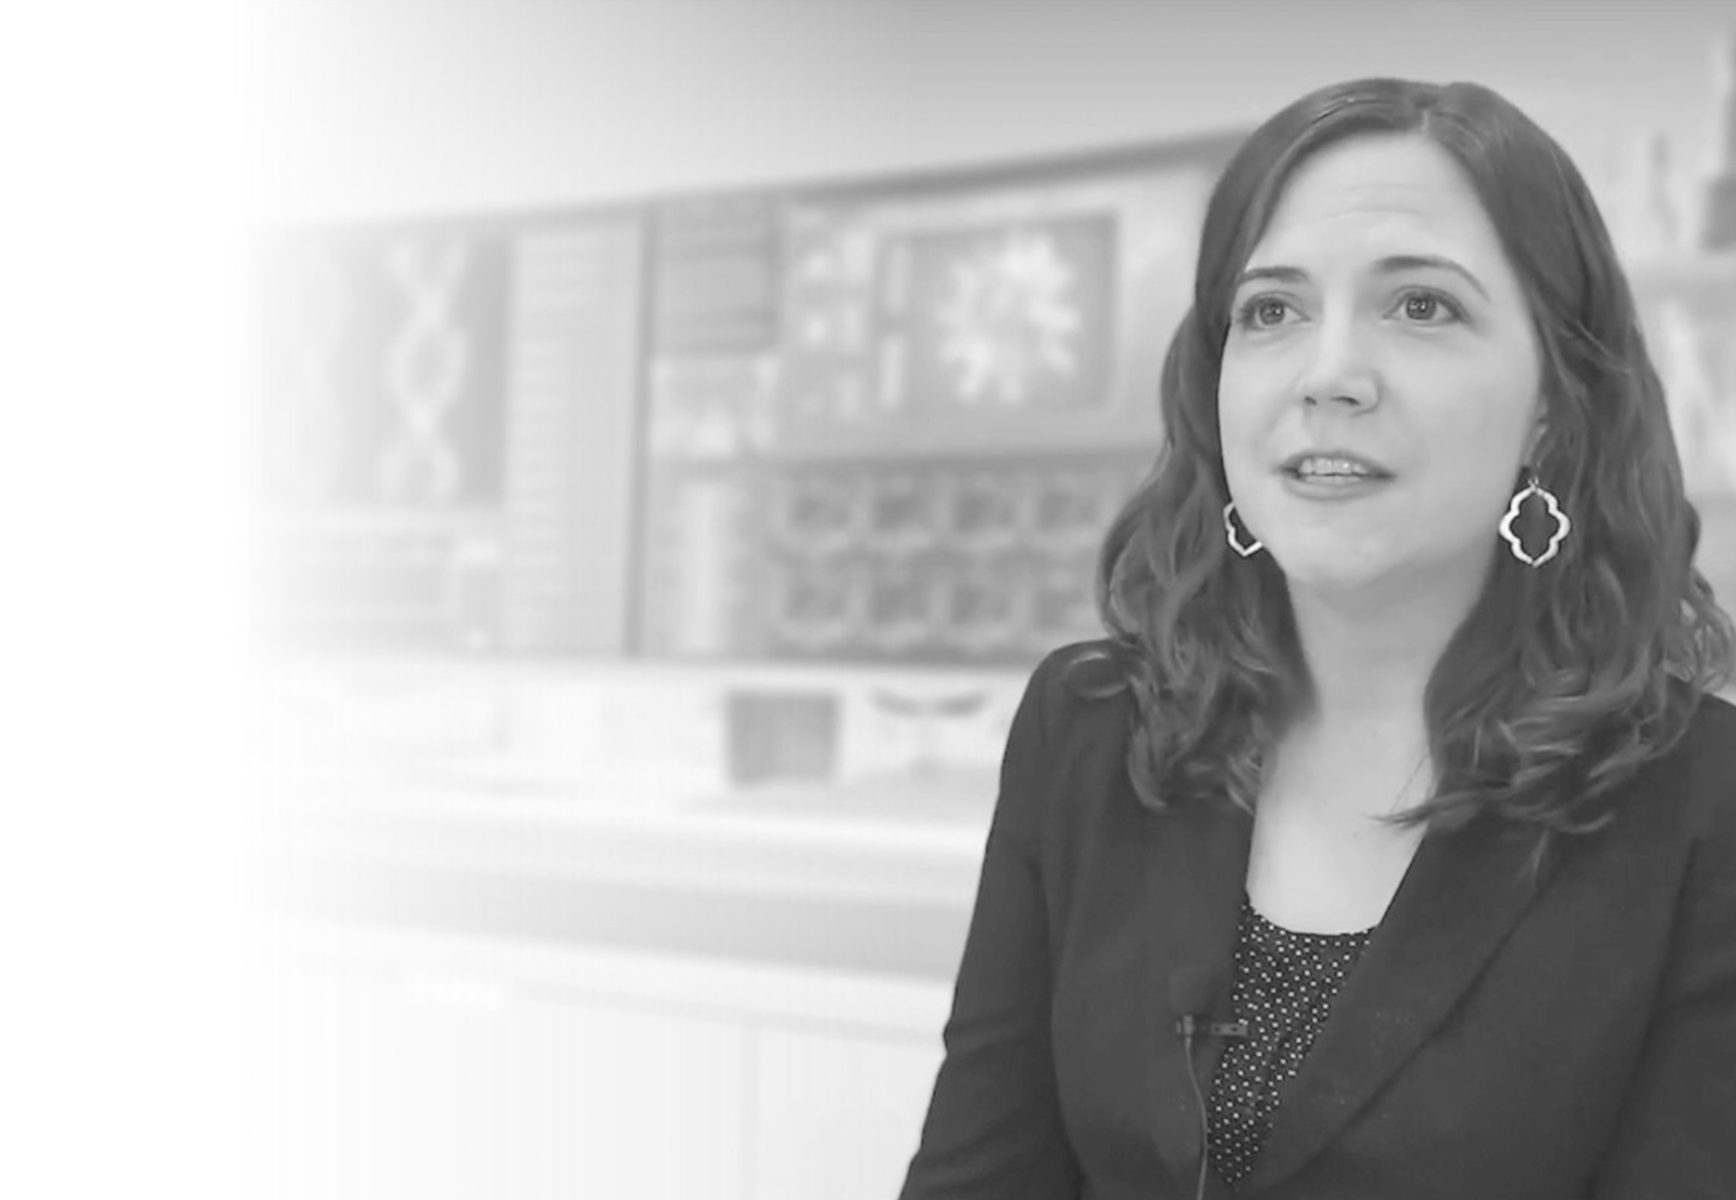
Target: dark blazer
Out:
[1498,1040]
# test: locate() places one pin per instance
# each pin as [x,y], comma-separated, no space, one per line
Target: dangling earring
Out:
[1562,524]
[1235,538]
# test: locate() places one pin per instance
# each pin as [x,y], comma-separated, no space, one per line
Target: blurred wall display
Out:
[382,419]
[890,421]
[884,420]
[448,435]
[1682,262]
[1686,288]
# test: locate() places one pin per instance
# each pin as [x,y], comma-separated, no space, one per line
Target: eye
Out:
[1425,307]
[1263,312]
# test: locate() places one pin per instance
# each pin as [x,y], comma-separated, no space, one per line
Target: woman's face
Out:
[1380,380]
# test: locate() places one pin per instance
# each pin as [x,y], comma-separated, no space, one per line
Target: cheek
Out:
[1491,398]
[1241,410]
[1475,449]
[1490,404]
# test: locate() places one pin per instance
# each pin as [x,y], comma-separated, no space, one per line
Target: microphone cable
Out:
[1190,993]
[1186,1027]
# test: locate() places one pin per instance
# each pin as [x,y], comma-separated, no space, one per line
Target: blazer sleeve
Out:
[993,1129]
[1677,1134]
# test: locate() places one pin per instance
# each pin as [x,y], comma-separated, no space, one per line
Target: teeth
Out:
[1330,466]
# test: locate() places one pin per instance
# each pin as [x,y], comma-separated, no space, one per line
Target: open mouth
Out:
[1337,476]
[1333,469]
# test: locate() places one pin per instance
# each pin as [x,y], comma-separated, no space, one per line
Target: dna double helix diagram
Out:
[425,365]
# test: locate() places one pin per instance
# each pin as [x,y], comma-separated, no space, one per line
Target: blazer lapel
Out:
[1460,896]
[1192,883]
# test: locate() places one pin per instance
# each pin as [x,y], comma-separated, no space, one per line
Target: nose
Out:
[1339,371]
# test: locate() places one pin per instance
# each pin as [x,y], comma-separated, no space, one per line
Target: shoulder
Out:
[1084,680]
[1689,789]
[1704,937]
[1078,702]
[1706,760]
[1068,741]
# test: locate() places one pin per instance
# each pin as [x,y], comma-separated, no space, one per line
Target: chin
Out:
[1368,572]
[1334,569]
[1322,579]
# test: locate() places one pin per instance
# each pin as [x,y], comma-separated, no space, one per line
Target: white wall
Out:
[404,106]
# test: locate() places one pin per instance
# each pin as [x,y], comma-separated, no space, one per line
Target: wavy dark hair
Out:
[1561,681]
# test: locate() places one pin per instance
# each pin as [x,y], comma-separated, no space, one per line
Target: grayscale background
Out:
[670,433]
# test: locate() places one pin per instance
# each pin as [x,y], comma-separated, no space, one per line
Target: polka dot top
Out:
[1284,984]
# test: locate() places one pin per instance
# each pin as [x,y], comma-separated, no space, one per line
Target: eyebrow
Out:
[1392,264]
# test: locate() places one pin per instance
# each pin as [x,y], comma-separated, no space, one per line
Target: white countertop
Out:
[800,840]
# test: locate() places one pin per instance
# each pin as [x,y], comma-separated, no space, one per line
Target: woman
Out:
[1402,751]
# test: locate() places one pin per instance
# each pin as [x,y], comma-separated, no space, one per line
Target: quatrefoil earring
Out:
[1234,536]
[1562,525]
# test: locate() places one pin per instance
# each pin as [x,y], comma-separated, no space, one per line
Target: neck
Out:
[1369,658]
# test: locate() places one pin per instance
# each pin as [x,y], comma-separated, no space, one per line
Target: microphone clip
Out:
[1194,1026]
